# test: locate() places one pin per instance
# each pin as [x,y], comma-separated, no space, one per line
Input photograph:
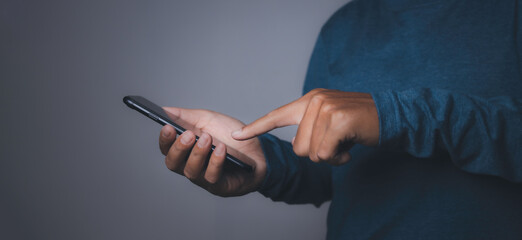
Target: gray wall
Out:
[75,163]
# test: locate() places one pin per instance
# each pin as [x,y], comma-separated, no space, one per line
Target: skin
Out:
[330,123]
[188,158]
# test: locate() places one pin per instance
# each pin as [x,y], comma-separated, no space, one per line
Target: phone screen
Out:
[156,113]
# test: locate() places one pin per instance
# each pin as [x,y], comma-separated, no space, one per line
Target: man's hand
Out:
[330,123]
[186,157]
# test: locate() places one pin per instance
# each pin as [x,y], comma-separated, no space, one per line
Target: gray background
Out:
[76,163]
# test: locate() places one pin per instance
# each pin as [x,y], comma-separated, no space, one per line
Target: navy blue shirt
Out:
[446,79]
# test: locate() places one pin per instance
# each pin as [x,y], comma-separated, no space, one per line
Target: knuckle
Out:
[313,92]
[189,173]
[316,90]
[199,153]
[338,116]
[324,154]
[313,157]
[299,150]
[214,163]
[164,148]
[328,107]
[196,153]
[318,98]
[181,147]
[170,164]
[210,179]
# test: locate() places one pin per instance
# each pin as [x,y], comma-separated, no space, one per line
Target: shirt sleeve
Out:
[481,136]
[290,178]
[293,179]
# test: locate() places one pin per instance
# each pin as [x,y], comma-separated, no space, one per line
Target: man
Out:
[421,138]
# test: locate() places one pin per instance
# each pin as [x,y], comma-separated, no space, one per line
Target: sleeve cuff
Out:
[274,165]
[389,118]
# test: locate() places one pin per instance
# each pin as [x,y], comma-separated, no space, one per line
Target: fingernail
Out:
[293,140]
[187,138]
[166,133]
[236,134]
[220,150]
[203,140]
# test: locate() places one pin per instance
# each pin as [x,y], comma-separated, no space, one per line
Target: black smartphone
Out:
[156,113]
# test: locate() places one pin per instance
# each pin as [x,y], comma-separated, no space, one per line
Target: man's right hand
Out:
[186,157]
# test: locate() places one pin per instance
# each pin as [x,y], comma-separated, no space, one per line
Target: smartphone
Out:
[156,113]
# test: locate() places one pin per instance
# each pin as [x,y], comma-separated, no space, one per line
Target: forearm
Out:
[482,136]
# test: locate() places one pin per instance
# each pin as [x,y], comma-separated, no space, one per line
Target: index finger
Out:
[166,138]
[289,114]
